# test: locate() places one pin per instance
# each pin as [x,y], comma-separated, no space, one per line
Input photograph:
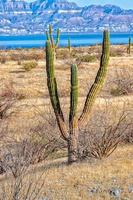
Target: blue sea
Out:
[77,39]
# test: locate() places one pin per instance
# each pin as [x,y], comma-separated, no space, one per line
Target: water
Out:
[77,39]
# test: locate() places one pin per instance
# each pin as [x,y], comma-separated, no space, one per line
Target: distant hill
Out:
[21,17]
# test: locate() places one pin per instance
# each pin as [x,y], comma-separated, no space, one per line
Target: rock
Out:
[115,192]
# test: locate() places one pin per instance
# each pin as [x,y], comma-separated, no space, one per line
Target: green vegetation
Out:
[28,66]
[129,46]
[87,58]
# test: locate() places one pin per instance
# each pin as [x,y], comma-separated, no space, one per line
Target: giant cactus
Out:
[69,45]
[129,46]
[70,135]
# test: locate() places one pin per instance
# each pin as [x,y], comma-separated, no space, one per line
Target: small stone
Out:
[115,192]
[93,190]
[114,180]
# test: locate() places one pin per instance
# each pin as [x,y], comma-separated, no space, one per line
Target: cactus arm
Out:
[53,92]
[99,81]
[74,93]
[47,36]
[50,36]
[57,38]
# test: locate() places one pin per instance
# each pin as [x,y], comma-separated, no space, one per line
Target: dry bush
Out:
[46,134]
[119,51]
[123,84]
[15,156]
[8,97]
[20,184]
[18,157]
[87,58]
[129,136]
[2,59]
[27,55]
[103,134]
[28,66]
[24,187]
[62,53]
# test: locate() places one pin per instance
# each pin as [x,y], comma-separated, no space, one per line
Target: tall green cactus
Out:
[129,46]
[71,134]
[69,45]
[74,92]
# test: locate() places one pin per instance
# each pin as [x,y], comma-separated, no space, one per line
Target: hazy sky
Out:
[122,3]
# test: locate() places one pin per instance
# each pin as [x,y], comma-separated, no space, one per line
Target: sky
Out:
[122,3]
[127,4]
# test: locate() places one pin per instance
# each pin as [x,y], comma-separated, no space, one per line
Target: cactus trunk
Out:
[73,142]
[73,120]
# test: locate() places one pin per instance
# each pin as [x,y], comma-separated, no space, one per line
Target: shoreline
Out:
[60,47]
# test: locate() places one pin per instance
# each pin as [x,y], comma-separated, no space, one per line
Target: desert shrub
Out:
[123,84]
[26,186]
[2,59]
[129,136]
[87,58]
[99,140]
[62,53]
[26,55]
[37,56]
[116,91]
[8,96]
[28,66]
[116,52]
[21,184]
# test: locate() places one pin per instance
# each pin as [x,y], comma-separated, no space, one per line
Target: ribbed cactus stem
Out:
[51,36]
[129,45]
[52,87]
[99,81]
[57,38]
[69,45]
[47,36]
[74,92]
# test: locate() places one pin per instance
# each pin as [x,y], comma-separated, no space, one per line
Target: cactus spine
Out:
[71,134]
[129,46]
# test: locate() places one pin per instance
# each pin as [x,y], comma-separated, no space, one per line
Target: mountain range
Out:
[21,17]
